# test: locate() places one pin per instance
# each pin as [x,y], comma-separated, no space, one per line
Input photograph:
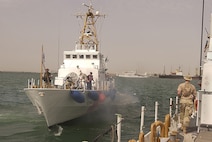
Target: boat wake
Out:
[58,131]
[126,99]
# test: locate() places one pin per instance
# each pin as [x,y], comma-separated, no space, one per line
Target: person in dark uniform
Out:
[47,77]
[89,82]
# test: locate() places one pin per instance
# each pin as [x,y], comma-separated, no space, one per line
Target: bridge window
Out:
[81,56]
[74,56]
[68,56]
[94,56]
[88,56]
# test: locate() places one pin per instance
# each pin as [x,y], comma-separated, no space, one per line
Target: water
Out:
[19,120]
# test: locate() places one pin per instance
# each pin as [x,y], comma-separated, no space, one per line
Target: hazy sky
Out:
[142,35]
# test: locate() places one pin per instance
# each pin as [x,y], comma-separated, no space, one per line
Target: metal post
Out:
[142,118]
[28,83]
[170,107]
[176,111]
[119,119]
[203,5]
[156,111]
[32,82]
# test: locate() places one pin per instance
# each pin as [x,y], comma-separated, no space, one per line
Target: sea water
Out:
[20,122]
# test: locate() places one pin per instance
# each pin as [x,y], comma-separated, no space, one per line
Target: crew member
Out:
[47,77]
[187,94]
[89,82]
[82,80]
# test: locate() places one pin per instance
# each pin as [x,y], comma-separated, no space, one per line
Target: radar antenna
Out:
[88,35]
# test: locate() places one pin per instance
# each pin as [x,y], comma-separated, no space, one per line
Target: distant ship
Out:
[178,74]
[133,74]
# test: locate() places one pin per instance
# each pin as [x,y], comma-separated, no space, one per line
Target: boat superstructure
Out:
[86,57]
[204,115]
[71,94]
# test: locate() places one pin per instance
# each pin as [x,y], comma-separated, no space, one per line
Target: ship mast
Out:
[88,35]
[41,67]
[200,70]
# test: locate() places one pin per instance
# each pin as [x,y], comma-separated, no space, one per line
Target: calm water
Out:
[19,120]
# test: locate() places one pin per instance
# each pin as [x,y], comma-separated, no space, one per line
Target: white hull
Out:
[58,106]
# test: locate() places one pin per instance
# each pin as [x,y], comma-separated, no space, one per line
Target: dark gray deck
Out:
[204,136]
[192,135]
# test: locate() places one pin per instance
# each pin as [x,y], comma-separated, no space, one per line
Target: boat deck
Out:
[173,132]
[205,134]
[202,136]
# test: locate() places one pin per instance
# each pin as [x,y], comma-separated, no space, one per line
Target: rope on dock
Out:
[113,131]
